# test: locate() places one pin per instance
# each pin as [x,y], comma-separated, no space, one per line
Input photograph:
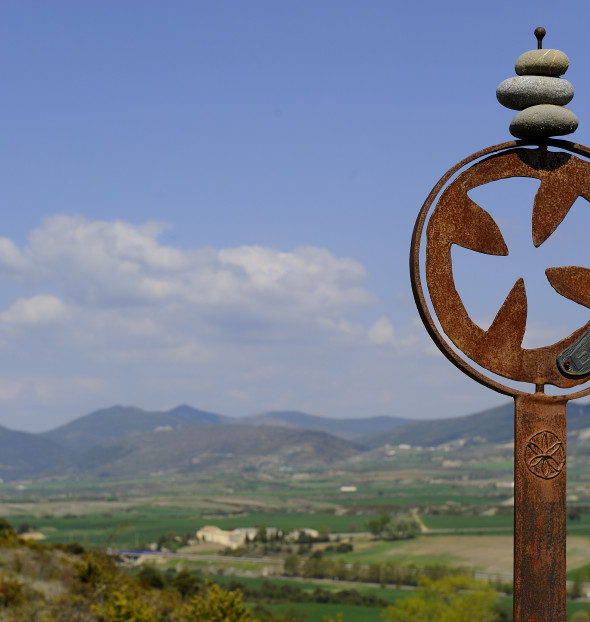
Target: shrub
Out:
[185,583]
[401,528]
[11,593]
[150,576]
[124,606]
[452,599]
[216,605]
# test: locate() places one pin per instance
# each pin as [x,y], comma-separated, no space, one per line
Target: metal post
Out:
[449,217]
[539,508]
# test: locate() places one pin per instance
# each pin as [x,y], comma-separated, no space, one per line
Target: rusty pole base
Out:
[539,508]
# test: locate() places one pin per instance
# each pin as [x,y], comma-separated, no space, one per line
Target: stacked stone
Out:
[540,94]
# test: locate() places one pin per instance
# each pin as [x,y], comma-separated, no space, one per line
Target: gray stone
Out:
[543,121]
[542,63]
[523,91]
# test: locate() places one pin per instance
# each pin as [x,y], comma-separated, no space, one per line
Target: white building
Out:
[231,539]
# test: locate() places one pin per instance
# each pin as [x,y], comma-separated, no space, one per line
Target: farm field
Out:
[316,611]
[463,512]
[490,554]
[480,543]
[389,593]
[360,614]
[456,522]
[138,525]
[465,521]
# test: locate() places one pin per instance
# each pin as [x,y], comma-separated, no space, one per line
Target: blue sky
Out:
[211,202]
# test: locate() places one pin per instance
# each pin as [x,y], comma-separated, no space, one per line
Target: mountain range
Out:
[125,441]
[102,426]
[120,439]
[209,447]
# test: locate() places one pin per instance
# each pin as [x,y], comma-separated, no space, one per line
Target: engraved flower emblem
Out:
[545,455]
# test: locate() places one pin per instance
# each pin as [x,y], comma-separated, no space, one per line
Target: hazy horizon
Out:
[232,416]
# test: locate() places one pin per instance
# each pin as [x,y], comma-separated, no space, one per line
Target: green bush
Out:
[11,592]
[150,576]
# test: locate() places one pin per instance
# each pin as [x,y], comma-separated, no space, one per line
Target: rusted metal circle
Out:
[456,219]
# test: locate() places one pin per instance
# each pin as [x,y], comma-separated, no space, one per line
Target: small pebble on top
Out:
[542,63]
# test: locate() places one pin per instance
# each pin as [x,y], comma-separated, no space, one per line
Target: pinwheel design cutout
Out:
[457,219]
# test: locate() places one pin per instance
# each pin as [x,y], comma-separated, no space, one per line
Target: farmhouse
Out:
[231,539]
[295,534]
[239,537]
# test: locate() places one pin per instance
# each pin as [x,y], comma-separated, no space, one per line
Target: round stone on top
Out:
[542,63]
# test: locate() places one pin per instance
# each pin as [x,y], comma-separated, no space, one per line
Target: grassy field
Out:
[389,594]
[355,613]
[316,611]
[138,525]
[402,553]
[580,526]
[458,522]
[362,614]
[130,529]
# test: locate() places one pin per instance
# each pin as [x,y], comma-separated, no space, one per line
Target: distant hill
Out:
[578,416]
[127,441]
[23,455]
[494,425]
[198,448]
[343,428]
[196,416]
[104,425]
[107,424]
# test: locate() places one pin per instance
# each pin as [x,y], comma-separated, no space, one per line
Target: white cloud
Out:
[112,291]
[39,310]
[12,262]
[310,277]
[382,332]
[103,264]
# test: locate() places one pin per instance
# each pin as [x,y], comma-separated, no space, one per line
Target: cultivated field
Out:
[463,511]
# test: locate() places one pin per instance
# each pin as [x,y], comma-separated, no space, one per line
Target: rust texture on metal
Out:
[540,503]
[456,219]
[450,218]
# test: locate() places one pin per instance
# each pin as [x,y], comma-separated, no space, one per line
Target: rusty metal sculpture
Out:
[452,218]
